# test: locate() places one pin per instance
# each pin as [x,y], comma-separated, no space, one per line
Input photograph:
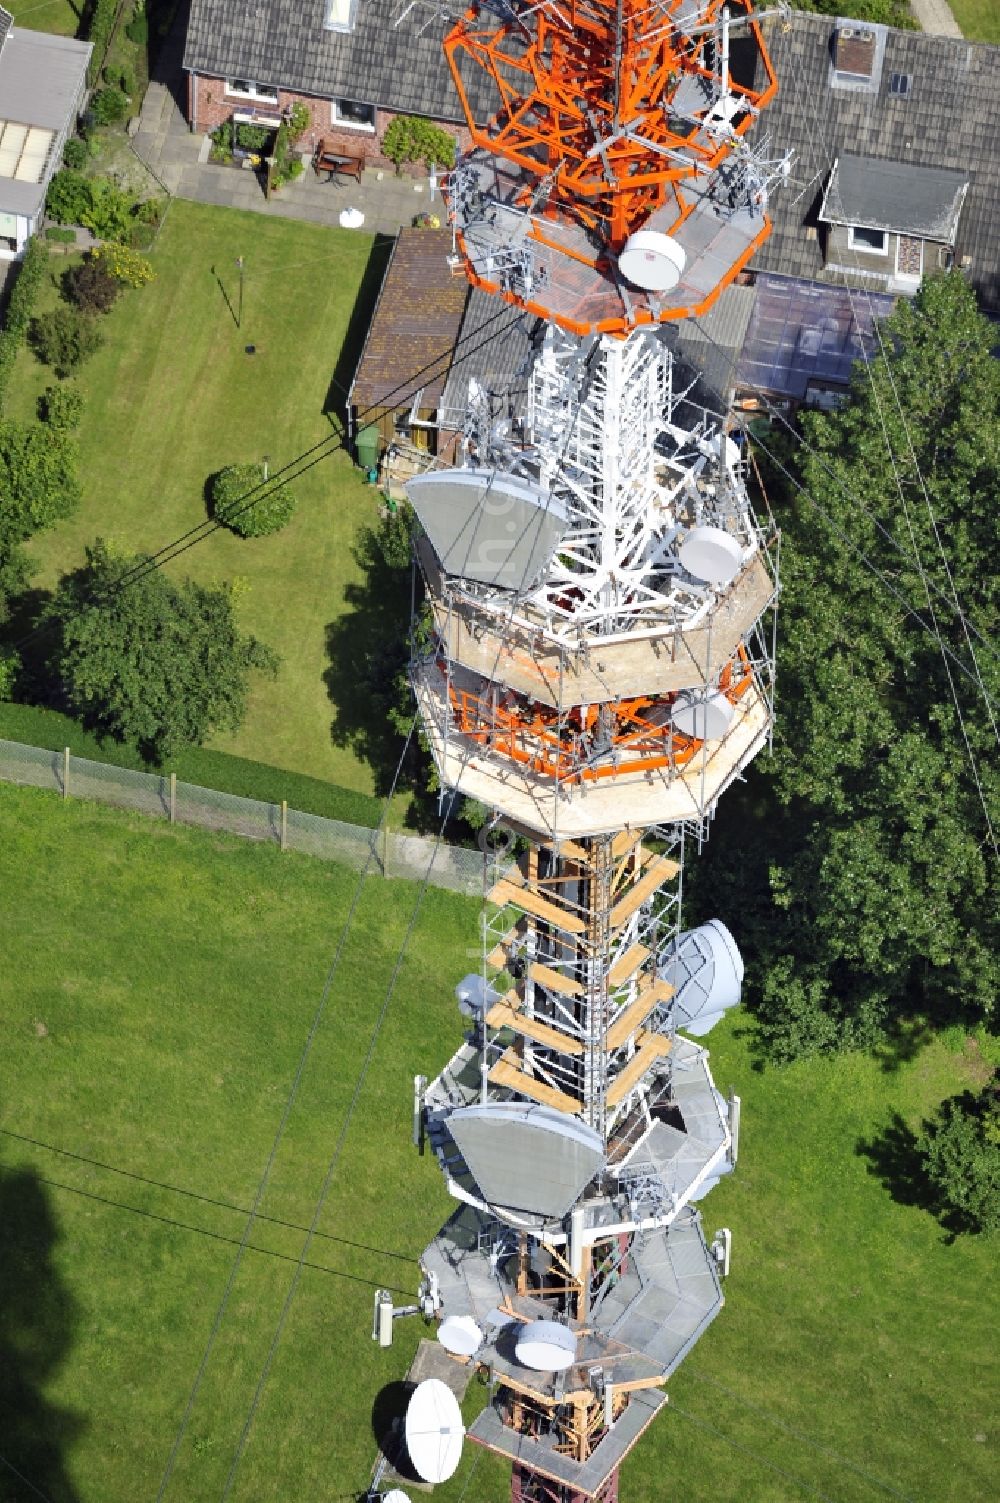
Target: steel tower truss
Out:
[597,671]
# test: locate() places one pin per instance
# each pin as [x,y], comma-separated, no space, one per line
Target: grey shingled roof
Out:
[925,201]
[948,121]
[282,43]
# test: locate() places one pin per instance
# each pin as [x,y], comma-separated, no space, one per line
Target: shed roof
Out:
[903,196]
[41,79]
[946,120]
[411,339]
[711,343]
[495,344]
[381,60]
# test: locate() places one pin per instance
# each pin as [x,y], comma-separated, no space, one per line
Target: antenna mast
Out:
[598,676]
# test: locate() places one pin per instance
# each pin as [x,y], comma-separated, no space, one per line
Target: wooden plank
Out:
[506,1073]
[507,1014]
[626,1023]
[658,870]
[555,980]
[652,1046]
[627,964]
[568,850]
[513,879]
[498,957]
[532,902]
[625,842]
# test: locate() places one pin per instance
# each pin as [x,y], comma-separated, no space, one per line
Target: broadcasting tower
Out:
[599,672]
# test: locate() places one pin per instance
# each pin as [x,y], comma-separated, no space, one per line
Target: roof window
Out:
[340,15]
[900,85]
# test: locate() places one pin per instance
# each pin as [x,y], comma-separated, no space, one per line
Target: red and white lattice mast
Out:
[598,675]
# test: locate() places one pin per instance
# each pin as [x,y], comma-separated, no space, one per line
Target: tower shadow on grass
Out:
[37,1321]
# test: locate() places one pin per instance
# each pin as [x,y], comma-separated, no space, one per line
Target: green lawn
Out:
[172,396]
[979,19]
[60,16]
[157,987]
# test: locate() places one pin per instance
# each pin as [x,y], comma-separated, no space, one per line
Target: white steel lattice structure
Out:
[599,670]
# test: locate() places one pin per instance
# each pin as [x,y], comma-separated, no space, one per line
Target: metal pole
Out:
[239,316]
[65,780]
[173,798]
[284,824]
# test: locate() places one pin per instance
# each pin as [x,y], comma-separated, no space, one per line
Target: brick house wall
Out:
[210,105]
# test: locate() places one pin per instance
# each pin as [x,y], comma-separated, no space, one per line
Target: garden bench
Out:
[325,159]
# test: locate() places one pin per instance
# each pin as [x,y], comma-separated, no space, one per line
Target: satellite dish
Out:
[705,718]
[652,261]
[460,1335]
[546,1346]
[711,554]
[474,996]
[396,1496]
[434,1431]
[705,968]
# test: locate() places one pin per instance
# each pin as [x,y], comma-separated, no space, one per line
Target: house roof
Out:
[710,344]
[41,79]
[495,342]
[901,196]
[946,120]
[806,334]
[412,334]
[283,43]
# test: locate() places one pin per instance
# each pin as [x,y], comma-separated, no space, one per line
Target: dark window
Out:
[350,112]
[900,85]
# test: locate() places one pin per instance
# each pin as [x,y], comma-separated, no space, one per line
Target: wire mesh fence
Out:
[385,852]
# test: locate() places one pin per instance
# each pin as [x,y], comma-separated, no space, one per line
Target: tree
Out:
[878,905]
[146,659]
[38,483]
[64,339]
[961,1158]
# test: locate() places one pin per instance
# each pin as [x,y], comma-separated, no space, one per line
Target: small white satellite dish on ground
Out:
[460,1335]
[396,1496]
[434,1431]
[546,1346]
[711,554]
[652,261]
[351,219]
[705,718]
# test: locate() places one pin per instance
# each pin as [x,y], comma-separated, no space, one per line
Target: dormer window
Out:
[872,242]
[340,15]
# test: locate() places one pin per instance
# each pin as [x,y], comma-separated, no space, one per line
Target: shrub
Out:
[90,286]
[410,138]
[69,196]
[242,501]
[109,214]
[64,339]
[299,119]
[19,308]
[109,106]
[123,263]
[75,153]
[137,29]
[61,407]
[120,76]
[60,237]
[252,137]
[961,1155]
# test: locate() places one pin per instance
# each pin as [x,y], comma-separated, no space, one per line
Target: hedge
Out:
[20,308]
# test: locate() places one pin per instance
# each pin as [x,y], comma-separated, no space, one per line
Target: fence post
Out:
[173,798]
[65,772]
[284,824]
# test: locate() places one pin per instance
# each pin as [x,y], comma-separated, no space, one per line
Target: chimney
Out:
[854,51]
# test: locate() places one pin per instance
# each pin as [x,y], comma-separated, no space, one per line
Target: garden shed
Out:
[401,376]
[42,83]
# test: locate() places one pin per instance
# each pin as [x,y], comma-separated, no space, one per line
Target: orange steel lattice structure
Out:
[588,125]
[633,735]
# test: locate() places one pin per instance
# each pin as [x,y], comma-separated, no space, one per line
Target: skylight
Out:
[900,84]
[24,151]
[340,15]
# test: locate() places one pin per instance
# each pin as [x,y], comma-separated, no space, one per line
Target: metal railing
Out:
[164,796]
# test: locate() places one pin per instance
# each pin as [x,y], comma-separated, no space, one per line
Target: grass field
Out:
[172,397]
[979,19]
[157,987]
[59,16]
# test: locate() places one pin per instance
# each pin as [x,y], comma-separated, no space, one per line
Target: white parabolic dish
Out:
[396,1496]
[652,261]
[460,1335]
[706,719]
[434,1431]
[546,1346]
[711,554]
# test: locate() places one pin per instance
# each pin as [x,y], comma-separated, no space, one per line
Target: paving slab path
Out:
[936,18]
